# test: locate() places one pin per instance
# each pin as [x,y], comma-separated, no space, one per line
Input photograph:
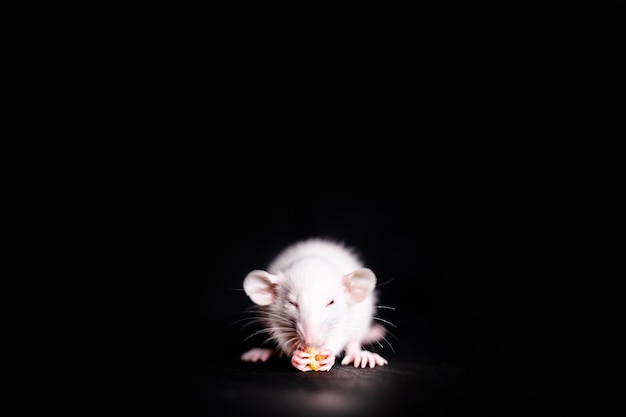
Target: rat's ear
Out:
[260,286]
[359,284]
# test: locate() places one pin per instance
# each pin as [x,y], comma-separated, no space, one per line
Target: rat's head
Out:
[308,301]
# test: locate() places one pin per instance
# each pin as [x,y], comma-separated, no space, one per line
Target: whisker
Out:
[389,343]
[292,340]
[249,324]
[385,282]
[268,340]
[385,321]
[387,307]
[246,319]
[277,316]
[284,329]
[255,334]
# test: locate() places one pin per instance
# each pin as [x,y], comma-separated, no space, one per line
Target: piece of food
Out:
[316,357]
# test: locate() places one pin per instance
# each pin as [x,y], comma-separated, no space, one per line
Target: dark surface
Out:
[416,380]
[404,387]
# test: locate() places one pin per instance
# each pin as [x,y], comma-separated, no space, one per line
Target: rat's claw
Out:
[364,358]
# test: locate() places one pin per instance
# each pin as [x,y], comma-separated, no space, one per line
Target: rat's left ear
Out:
[359,284]
[260,286]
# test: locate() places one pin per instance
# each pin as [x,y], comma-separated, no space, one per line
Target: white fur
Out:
[316,293]
[342,258]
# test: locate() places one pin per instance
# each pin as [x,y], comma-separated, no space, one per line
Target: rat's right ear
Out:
[260,286]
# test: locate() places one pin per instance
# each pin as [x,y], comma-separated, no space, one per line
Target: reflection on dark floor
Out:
[404,387]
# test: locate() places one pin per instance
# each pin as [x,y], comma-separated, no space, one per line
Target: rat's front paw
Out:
[301,360]
[323,360]
[313,359]
[363,358]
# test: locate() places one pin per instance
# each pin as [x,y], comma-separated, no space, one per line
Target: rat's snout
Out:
[310,333]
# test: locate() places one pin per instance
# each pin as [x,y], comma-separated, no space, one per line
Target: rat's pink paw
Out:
[326,364]
[364,358]
[321,360]
[301,360]
[257,354]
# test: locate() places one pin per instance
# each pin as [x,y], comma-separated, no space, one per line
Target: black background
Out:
[469,168]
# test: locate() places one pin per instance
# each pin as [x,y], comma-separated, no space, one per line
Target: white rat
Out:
[316,293]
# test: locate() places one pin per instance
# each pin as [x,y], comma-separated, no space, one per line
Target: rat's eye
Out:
[331,302]
[293,303]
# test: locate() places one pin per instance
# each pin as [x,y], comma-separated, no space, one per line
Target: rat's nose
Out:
[311,335]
